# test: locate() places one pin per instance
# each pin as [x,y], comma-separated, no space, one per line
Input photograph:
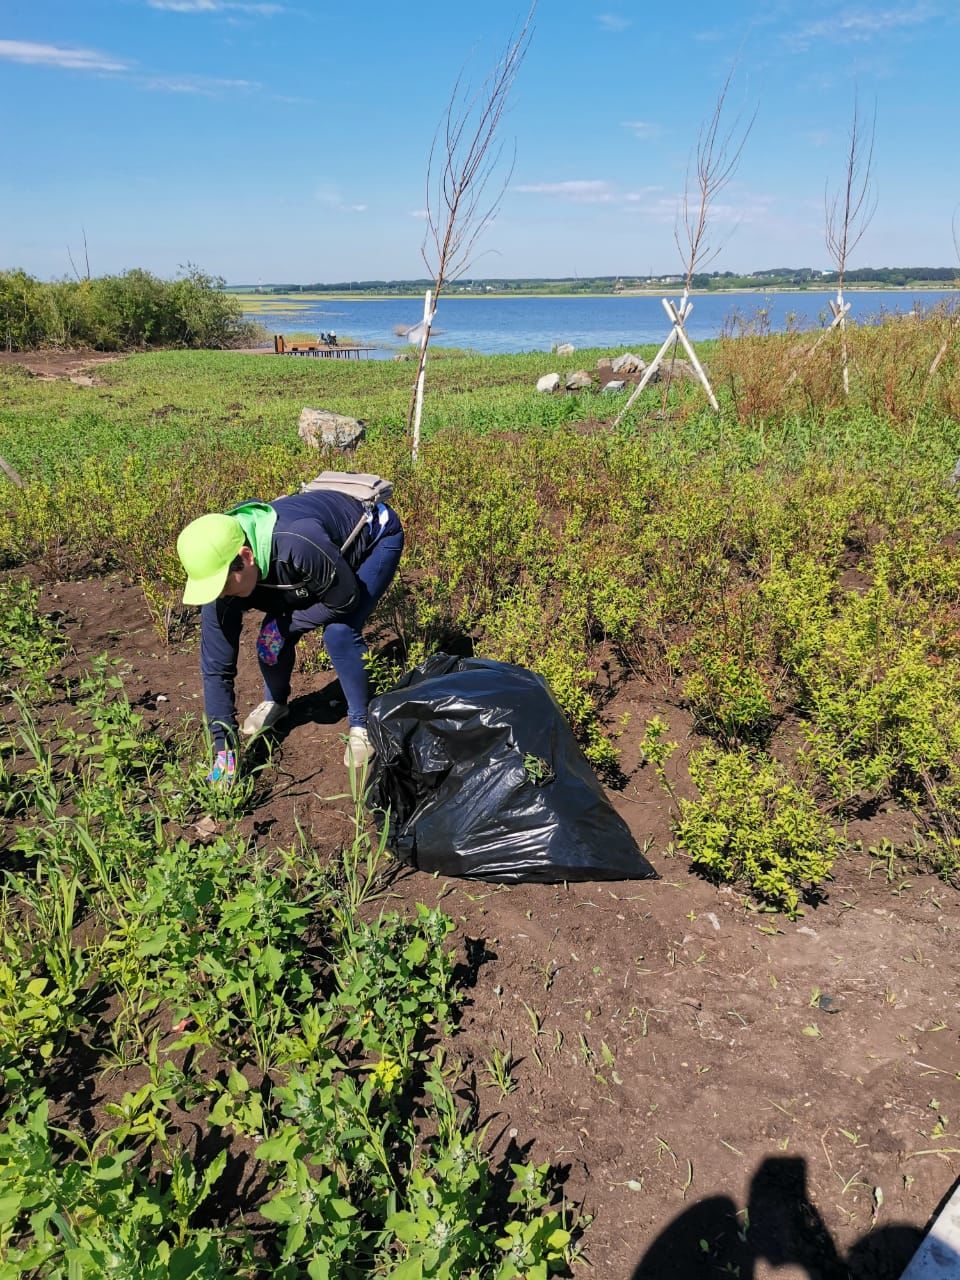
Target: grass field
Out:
[781,579]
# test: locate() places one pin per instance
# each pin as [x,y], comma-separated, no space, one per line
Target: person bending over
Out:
[284,559]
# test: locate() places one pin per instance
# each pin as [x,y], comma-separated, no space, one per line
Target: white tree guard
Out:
[677,314]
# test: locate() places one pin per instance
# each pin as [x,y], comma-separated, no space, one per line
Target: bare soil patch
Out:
[54,364]
[80,366]
[727,1092]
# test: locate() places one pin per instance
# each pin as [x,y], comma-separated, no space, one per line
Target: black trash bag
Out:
[482,777]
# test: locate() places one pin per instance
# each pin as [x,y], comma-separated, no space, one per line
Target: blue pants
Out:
[342,636]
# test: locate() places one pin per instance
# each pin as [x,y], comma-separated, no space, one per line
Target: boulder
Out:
[319,428]
[579,381]
[628,363]
[565,349]
[549,382]
[678,371]
[616,384]
[604,362]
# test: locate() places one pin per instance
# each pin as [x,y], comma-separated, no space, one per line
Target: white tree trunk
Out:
[421,370]
[844,358]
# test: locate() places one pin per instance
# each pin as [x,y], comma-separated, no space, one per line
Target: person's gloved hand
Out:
[224,768]
[269,642]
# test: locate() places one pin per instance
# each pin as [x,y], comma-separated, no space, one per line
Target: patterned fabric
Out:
[269,643]
[224,768]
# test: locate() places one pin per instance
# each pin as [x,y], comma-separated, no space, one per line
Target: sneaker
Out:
[360,750]
[264,716]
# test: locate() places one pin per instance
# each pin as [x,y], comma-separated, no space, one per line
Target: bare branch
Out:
[954,321]
[73,265]
[86,258]
[849,212]
[464,186]
[718,153]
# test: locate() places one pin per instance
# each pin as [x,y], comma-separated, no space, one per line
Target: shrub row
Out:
[120,312]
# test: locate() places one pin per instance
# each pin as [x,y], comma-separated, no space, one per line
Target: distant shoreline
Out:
[267,298]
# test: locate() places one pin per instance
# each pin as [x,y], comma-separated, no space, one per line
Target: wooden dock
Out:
[322,350]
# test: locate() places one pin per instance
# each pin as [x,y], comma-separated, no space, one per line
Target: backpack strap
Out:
[365,487]
[358,527]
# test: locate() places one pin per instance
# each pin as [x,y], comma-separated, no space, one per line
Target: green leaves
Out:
[753,823]
[250,993]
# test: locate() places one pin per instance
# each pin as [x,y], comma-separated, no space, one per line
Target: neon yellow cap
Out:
[206,548]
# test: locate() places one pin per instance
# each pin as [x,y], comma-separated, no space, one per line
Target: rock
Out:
[955,475]
[549,382]
[604,363]
[82,380]
[628,363]
[615,385]
[319,428]
[678,371]
[579,381]
[565,349]
[403,355]
[829,1004]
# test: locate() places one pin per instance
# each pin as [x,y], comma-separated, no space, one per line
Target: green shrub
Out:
[115,313]
[752,823]
[30,642]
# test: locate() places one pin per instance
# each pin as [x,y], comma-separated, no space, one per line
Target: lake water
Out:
[500,325]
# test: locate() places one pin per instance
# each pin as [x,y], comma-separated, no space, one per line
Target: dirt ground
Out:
[80,367]
[727,1092]
[74,366]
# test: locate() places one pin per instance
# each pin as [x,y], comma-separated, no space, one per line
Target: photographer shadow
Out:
[779,1226]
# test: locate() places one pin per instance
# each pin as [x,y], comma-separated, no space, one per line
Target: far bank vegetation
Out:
[120,312]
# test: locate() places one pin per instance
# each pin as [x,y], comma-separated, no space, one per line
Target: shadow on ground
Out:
[779,1226]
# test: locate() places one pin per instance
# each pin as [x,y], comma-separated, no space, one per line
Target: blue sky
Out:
[288,141]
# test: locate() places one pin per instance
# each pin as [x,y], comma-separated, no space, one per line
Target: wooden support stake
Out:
[938,358]
[428,314]
[678,320]
[839,319]
[678,316]
[11,473]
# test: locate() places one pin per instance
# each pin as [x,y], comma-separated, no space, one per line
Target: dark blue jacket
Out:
[306,568]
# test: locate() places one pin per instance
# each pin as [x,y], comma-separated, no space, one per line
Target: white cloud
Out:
[205,86]
[328,194]
[422,214]
[658,209]
[748,207]
[216,6]
[642,128]
[590,191]
[579,190]
[51,55]
[613,21]
[861,25]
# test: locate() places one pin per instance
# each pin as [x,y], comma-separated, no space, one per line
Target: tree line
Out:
[777,277]
[120,312]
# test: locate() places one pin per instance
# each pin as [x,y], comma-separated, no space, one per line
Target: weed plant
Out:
[246,998]
[790,559]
